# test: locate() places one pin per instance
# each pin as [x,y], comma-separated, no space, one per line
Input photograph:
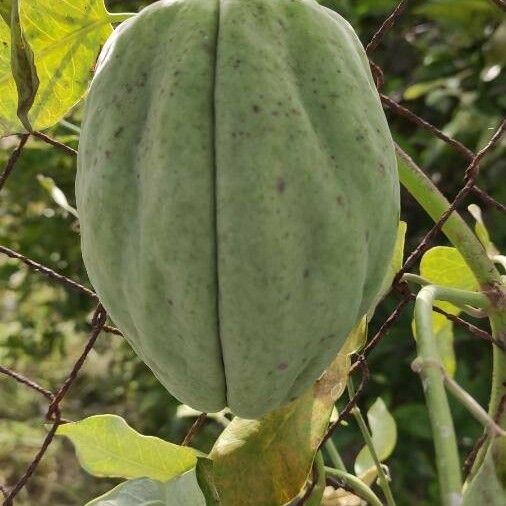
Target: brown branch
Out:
[46,271]
[386,26]
[49,140]
[11,162]
[98,322]
[9,500]
[197,424]
[471,173]
[488,199]
[472,329]
[26,381]
[387,324]
[411,116]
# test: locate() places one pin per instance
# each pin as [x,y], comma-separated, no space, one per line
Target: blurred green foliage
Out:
[446,60]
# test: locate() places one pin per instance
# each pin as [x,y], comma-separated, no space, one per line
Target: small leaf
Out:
[107,446]
[56,194]
[420,89]
[487,486]
[180,491]
[481,230]
[445,266]
[384,437]
[267,461]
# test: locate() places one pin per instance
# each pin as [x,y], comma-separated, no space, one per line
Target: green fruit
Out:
[238,194]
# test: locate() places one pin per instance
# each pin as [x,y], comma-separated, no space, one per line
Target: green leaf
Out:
[445,266]
[420,89]
[107,446]
[65,43]
[181,491]
[384,437]
[487,486]
[481,230]
[267,461]
[65,40]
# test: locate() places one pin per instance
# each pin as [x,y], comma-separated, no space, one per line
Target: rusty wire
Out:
[98,323]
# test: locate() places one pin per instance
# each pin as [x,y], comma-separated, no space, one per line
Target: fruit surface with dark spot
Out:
[233,156]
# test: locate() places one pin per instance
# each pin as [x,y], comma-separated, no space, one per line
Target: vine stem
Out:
[462,237]
[433,380]
[356,484]
[385,486]
[334,456]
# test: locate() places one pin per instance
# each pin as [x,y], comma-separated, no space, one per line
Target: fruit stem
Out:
[334,456]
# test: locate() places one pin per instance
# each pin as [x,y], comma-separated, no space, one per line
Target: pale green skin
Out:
[238,195]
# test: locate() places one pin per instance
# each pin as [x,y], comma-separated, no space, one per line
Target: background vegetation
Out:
[446,61]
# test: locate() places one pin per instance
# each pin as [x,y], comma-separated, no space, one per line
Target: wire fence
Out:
[400,288]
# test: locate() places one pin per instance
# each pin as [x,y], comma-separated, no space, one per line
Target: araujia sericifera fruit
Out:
[238,194]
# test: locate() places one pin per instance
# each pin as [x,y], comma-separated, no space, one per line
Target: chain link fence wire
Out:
[400,288]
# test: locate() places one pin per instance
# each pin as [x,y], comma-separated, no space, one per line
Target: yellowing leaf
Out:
[481,230]
[107,446]
[267,461]
[445,266]
[443,333]
[65,38]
